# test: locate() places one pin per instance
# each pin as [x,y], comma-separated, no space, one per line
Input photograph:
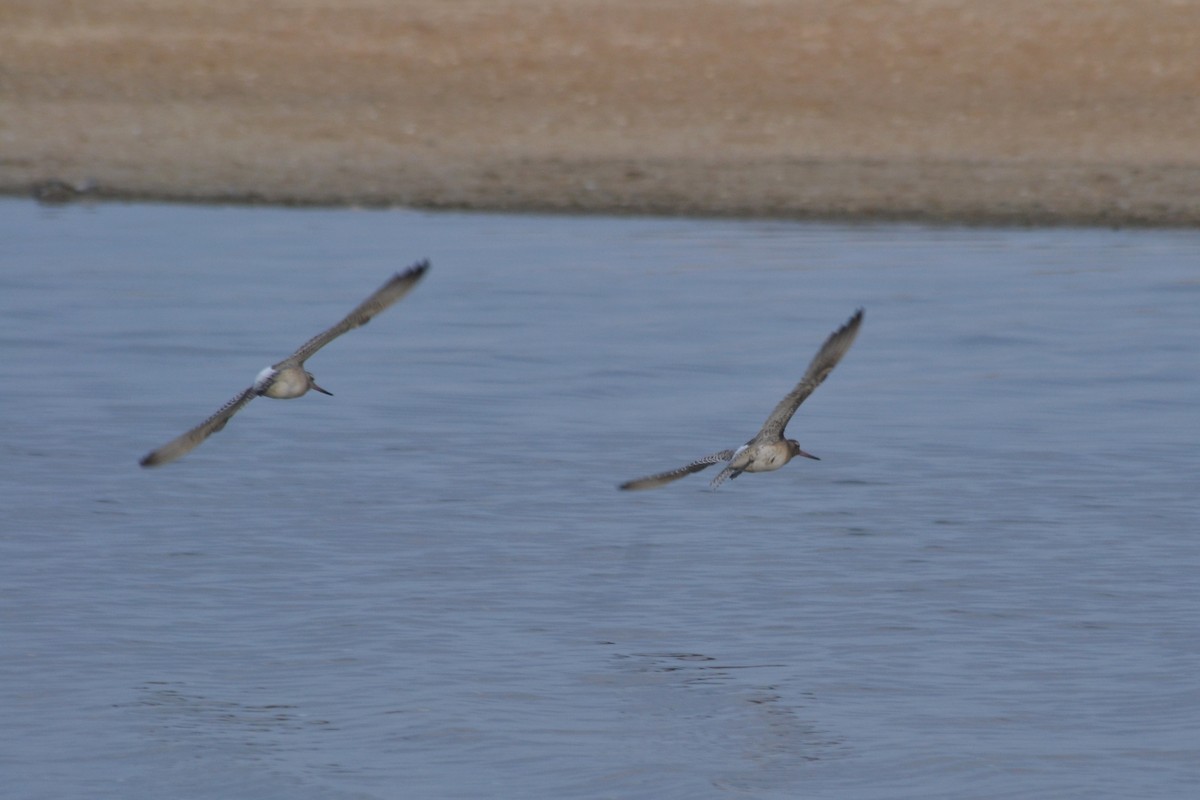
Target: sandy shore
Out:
[1010,111]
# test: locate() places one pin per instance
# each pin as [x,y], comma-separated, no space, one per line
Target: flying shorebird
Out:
[289,378]
[768,450]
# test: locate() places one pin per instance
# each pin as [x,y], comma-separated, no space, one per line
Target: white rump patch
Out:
[263,378]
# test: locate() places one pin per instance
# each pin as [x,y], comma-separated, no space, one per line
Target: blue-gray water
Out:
[428,585]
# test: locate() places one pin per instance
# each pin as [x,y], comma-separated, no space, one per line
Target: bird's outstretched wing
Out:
[663,478]
[818,370]
[187,442]
[396,287]
[720,477]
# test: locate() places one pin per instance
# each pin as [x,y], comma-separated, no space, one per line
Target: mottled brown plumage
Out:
[288,378]
[768,450]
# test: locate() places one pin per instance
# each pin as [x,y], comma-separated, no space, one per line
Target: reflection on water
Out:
[430,580]
[175,707]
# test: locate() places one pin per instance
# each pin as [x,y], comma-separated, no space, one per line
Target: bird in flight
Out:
[768,450]
[289,378]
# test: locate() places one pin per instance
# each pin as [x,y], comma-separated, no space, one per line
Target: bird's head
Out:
[794,450]
[312,384]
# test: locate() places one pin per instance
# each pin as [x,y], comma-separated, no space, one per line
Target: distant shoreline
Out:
[1013,113]
[51,193]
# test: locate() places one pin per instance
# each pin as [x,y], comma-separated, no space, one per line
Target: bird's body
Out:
[286,383]
[768,450]
[761,457]
[288,378]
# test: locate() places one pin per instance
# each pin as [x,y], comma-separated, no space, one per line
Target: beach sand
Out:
[1009,111]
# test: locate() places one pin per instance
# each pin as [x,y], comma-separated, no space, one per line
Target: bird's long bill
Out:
[800,452]
[319,389]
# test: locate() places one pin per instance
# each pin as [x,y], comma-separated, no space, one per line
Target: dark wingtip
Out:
[148,460]
[414,272]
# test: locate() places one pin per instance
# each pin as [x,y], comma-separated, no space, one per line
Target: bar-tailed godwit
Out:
[768,450]
[289,378]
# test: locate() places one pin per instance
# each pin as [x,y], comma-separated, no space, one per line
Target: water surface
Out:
[428,586]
